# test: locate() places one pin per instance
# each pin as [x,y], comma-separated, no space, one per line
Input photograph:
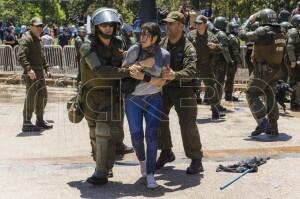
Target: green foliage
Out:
[21,11]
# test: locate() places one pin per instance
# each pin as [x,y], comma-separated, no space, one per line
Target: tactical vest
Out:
[270,52]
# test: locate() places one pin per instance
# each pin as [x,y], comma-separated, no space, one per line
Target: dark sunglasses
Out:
[39,26]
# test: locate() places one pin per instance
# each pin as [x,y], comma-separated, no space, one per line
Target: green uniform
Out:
[31,56]
[234,49]
[179,93]
[205,59]
[267,56]
[293,52]
[100,77]
[78,42]
[222,61]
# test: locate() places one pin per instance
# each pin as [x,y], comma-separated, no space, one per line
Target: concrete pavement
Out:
[55,163]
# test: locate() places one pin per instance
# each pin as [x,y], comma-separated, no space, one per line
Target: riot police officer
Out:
[224,58]
[78,42]
[293,51]
[267,56]
[101,59]
[234,49]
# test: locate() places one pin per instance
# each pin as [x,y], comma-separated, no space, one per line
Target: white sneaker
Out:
[143,168]
[151,183]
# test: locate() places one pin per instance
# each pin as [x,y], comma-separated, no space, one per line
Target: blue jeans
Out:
[137,108]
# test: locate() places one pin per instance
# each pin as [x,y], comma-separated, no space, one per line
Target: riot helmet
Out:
[285,26]
[105,15]
[232,27]
[220,23]
[267,17]
[296,21]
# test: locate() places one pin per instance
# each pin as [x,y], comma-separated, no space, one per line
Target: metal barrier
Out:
[61,61]
[17,66]
[70,63]
[6,58]
[54,58]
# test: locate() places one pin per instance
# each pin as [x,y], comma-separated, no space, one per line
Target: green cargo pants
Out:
[104,114]
[230,74]
[220,69]
[184,101]
[262,83]
[36,96]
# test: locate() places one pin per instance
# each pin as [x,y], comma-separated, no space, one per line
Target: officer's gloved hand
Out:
[261,31]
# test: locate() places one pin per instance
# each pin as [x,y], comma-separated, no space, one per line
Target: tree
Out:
[148,10]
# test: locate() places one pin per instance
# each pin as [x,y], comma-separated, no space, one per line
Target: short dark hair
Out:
[153,29]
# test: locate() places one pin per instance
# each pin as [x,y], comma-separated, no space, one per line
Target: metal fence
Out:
[60,60]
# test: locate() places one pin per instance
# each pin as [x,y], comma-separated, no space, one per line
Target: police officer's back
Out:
[267,57]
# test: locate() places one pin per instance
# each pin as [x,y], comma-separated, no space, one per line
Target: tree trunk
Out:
[147,10]
[195,4]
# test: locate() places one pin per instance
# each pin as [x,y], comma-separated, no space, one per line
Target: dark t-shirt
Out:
[63,40]
[11,37]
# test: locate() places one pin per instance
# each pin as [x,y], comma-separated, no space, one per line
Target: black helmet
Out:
[232,27]
[220,23]
[284,15]
[285,26]
[267,17]
[105,15]
[296,20]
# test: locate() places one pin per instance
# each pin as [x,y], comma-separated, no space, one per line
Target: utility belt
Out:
[268,71]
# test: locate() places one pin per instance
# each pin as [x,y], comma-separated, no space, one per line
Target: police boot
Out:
[40,122]
[273,131]
[98,178]
[164,157]
[28,126]
[195,167]
[263,127]
[122,149]
[230,97]
[216,114]
[221,108]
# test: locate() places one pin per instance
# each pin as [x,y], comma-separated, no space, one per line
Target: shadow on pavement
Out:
[174,180]
[285,115]
[209,120]
[30,133]
[264,138]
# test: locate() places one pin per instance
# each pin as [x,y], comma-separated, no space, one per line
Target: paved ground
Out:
[55,163]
